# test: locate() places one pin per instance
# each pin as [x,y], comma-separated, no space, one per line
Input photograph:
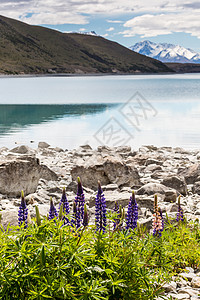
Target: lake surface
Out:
[162,110]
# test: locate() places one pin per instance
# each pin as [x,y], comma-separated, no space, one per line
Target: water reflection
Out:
[40,118]
[15,117]
[68,126]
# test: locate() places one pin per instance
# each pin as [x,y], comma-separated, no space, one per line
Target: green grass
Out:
[35,49]
[54,262]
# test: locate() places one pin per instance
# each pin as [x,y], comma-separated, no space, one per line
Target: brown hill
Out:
[34,49]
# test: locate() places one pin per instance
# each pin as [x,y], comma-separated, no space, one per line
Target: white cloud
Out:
[114,21]
[110,29]
[79,11]
[150,25]
[82,29]
[54,19]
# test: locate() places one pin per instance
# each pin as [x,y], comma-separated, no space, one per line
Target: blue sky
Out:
[126,22]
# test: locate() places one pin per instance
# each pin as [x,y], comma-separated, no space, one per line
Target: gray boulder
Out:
[3,149]
[158,174]
[145,202]
[43,145]
[122,198]
[86,147]
[22,173]
[152,188]
[22,150]
[153,168]
[108,170]
[176,182]
[196,188]
[9,217]
[190,174]
[170,196]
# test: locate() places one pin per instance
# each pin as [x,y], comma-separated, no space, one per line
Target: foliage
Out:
[52,258]
[52,261]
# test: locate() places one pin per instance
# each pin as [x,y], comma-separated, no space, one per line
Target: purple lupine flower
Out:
[162,219]
[132,213]
[65,206]
[23,212]
[85,217]
[180,216]
[157,220]
[73,219]
[80,202]
[78,217]
[52,212]
[100,210]
[117,220]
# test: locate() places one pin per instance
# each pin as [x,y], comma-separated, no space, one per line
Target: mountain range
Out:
[167,53]
[26,49]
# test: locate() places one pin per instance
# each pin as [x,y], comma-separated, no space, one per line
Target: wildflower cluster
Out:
[79,216]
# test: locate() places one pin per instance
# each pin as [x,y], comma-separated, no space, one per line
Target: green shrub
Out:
[52,261]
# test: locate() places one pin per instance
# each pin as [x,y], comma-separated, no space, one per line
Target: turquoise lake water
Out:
[162,110]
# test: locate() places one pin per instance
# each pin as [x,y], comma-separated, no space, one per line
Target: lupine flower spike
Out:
[73,219]
[60,213]
[23,212]
[65,206]
[162,219]
[80,202]
[85,217]
[52,212]
[100,210]
[118,223]
[38,218]
[180,216]
[157,220]
[132,213]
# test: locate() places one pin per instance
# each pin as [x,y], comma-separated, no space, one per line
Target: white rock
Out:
[189,291]
[189,276]
[179,296]
[189,269]
[170,287]
[196,282]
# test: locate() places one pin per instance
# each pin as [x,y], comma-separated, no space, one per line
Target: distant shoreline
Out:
[89,74]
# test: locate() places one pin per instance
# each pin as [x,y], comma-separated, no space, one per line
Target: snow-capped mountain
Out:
[84,32]
[89,33]
[167,52]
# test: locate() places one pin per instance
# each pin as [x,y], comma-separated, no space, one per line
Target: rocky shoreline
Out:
[165,171]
